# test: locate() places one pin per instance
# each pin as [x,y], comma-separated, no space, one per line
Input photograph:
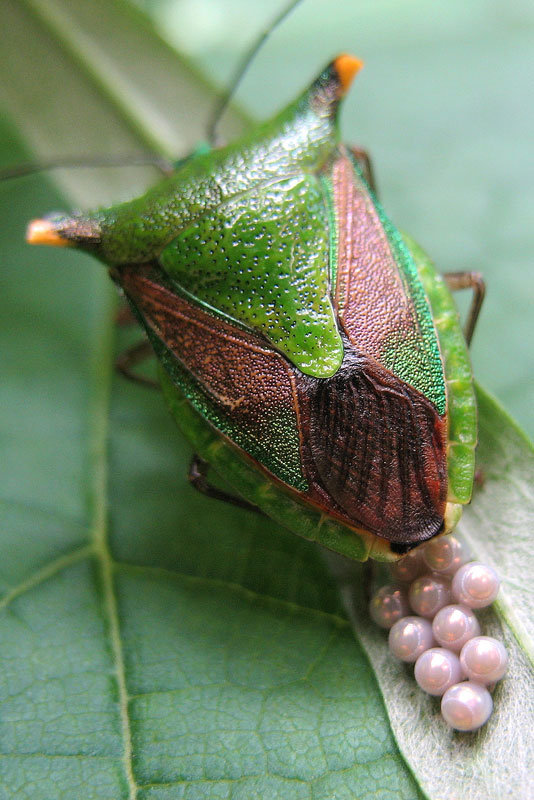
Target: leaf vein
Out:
[102,372]
[278,602]
[46,572]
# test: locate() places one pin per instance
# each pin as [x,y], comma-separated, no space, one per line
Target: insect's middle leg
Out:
[474,281]
[198,470]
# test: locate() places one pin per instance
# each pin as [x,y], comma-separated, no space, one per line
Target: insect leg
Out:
[368,578]
[468,280]
[124,317]
[198,469]
[130,358]
[364,160]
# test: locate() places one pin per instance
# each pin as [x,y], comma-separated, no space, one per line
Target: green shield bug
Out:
[311,354]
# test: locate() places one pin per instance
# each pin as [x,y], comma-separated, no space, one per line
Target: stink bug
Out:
[309,352]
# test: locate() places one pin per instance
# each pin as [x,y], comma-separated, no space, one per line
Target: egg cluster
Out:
[431,622]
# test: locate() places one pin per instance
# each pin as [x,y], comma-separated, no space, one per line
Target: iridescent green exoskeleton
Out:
[309,351]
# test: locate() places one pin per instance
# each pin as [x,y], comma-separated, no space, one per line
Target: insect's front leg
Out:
[124,317]
[130,358]
[364,161]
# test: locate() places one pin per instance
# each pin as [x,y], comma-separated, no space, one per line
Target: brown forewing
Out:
[379,449]
[372,449]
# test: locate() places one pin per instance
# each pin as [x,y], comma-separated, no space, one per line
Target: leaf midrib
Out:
[88,60]
[101,372]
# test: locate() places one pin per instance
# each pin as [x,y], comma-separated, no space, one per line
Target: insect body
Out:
[309,352]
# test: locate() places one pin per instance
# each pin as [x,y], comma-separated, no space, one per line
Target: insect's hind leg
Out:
[474,281]
[198,470]
[364,160]
[133,356]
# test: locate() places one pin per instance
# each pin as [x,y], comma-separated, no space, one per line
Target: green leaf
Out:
[155,644]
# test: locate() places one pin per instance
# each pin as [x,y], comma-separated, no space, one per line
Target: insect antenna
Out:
[151,159]
[71,162]
[243,65]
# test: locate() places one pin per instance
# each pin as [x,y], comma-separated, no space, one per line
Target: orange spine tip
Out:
[41,231]
[347,67]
